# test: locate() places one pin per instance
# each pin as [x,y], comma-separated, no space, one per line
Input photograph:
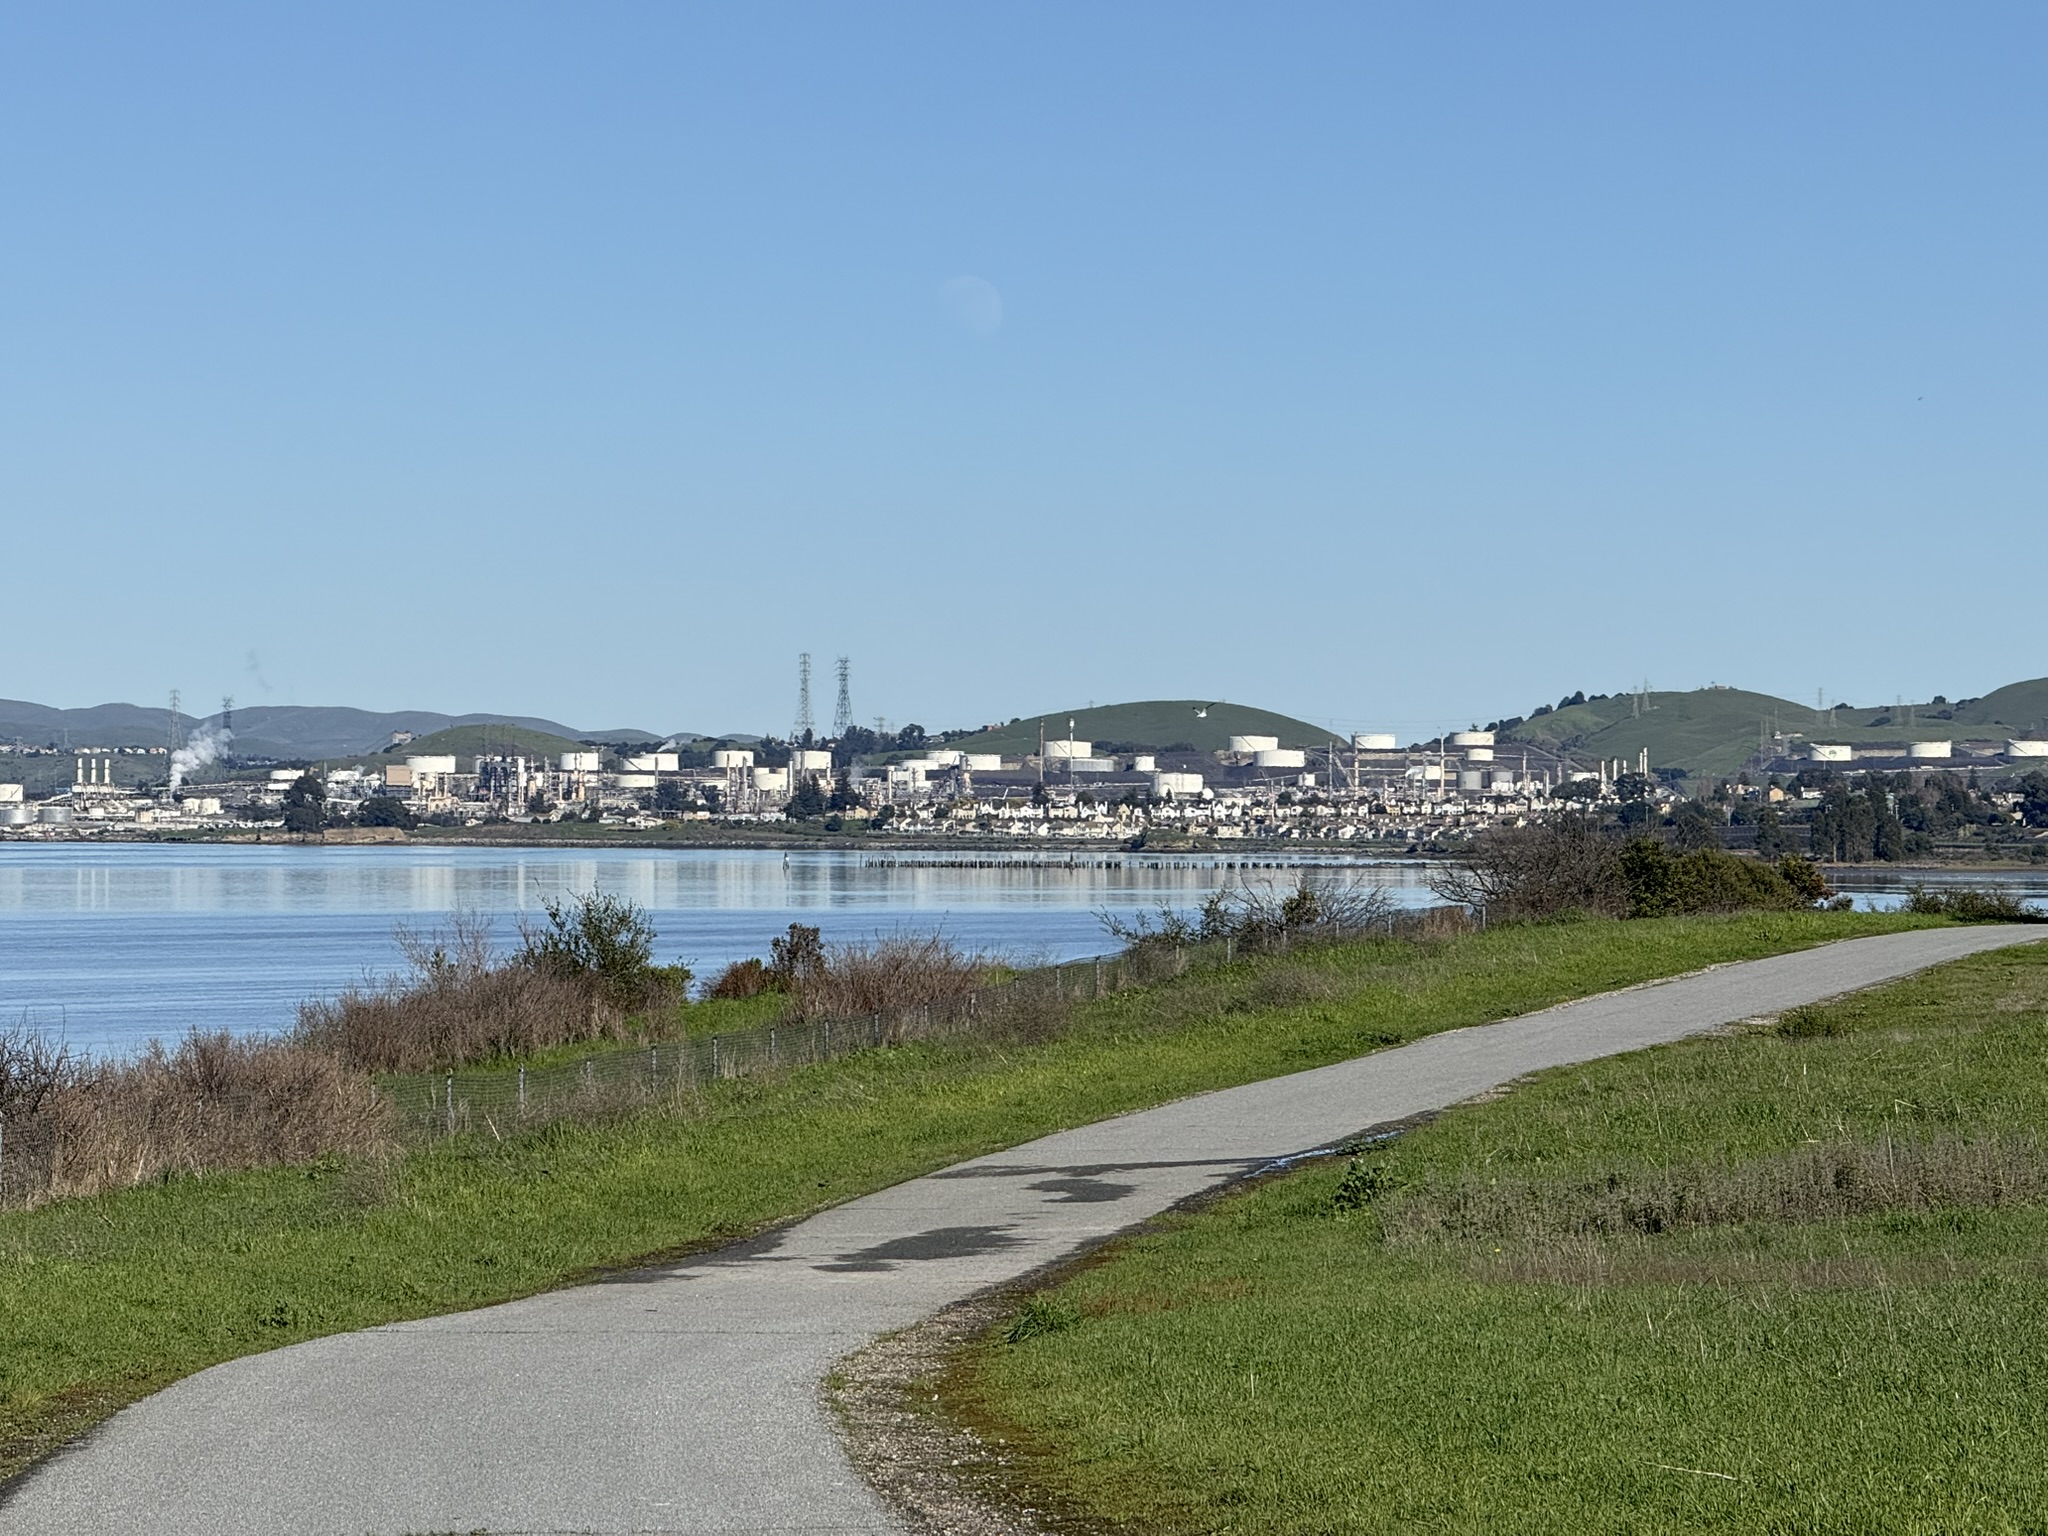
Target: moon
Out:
[973,304]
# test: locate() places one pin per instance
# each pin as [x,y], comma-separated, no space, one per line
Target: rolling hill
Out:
[261,730]
[1149,723]
[1717,730]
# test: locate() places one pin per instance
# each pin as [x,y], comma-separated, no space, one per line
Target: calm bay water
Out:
[115,943]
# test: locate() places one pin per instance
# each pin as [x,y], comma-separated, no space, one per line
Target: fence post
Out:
[3,1160]
[714,1056]
[878,1026]
[654,1069]
[1098,975]
[522,1090]
[1230,950]
[771,1045]
[451,1103]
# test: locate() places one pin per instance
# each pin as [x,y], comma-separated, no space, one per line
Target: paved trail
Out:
[686,1399]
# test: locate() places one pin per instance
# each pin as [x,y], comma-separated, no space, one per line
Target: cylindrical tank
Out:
[1067,748]
[1373,741]
[434,764]
[770,781]
[15,815]
[1930,749]
[2026,749]
[984,762]
[1471,779]
[1280,757]
[1171,786]
[731,757]
[1501,781]
[946,757]
[811,761]
[1254,743]
[1472,738]
[54,815]
[639,780]
[574,762]
[1830,752]
[1479,754]
[1144,762]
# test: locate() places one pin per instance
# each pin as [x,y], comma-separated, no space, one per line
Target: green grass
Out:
[1616,1299]
[105,1299]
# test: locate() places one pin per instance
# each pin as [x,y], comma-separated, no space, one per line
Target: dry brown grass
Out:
[457,1005]
[889,976]
[1819,1183]
[209,1103]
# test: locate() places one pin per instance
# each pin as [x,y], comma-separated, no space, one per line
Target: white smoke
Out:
[207,747]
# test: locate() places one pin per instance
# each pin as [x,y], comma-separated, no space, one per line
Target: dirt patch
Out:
[936,1474]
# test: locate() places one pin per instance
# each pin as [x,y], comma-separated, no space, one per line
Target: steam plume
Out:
[206,747]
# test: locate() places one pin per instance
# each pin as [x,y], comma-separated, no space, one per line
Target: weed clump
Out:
[1040,1314]
[1971,904]
[1808,1023]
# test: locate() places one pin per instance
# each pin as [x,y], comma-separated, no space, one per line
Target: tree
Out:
[1770,832]
[1695,826]
[671,797]
[807,803]
[842,792]
[606,942]
[2034,799]
[305,804]
[386,811]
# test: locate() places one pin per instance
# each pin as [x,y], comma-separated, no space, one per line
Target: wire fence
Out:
[86,1143]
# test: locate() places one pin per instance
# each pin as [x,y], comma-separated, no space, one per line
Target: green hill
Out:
[465,741]
[1149,723]
[2016,707]
[1717,730]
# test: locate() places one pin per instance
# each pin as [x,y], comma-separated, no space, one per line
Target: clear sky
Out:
[1388,365]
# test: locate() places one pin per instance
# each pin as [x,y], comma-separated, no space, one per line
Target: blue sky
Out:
[1389,365]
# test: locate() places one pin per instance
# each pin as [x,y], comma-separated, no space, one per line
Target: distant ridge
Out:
[262,730]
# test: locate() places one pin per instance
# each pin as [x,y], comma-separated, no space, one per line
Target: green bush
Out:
[1661,884]
[1972,904]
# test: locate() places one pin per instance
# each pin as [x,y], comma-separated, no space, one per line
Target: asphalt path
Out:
[687,1398]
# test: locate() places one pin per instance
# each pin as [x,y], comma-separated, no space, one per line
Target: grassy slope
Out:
[1271,1366]
[1152,722]
[106,1299]
[2020,707]
[1715,730]
[466,741]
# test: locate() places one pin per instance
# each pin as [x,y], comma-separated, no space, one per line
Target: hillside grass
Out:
[103,1300]
[1152,723]
[1790,1280]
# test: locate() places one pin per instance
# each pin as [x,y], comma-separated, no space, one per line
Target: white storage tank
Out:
[771,781]
[285,778]
[1144,762]
[1055,750]
[1373,741]
[639,780]
[1091,765]
[1472,738]
[577,762]
[729,757]
[984,762]
[1830,752]
[434,764]
[1479,754]
[810,760]
[16,815]
[1926,749]
[54,815]
[2026,749]
[946,757]
[1280,757]
[1254,744]
[1176,786]
[652,762]
[1471,779]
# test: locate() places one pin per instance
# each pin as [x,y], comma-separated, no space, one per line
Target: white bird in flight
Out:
[1202,711]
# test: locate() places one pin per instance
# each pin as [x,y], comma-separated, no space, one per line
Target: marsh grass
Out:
[1775,1280]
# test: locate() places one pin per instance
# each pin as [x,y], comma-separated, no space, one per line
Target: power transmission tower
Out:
[804,730]
[173,738]
[842,712]
[227,724]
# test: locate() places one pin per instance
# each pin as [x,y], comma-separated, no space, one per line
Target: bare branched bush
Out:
[1537,872]
[1259,915]
[740,980]
[887,976]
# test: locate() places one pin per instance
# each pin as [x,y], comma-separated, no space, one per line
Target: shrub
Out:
[886,976]
[607,944]
[742,979]
[1538,872]
[1971,904]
